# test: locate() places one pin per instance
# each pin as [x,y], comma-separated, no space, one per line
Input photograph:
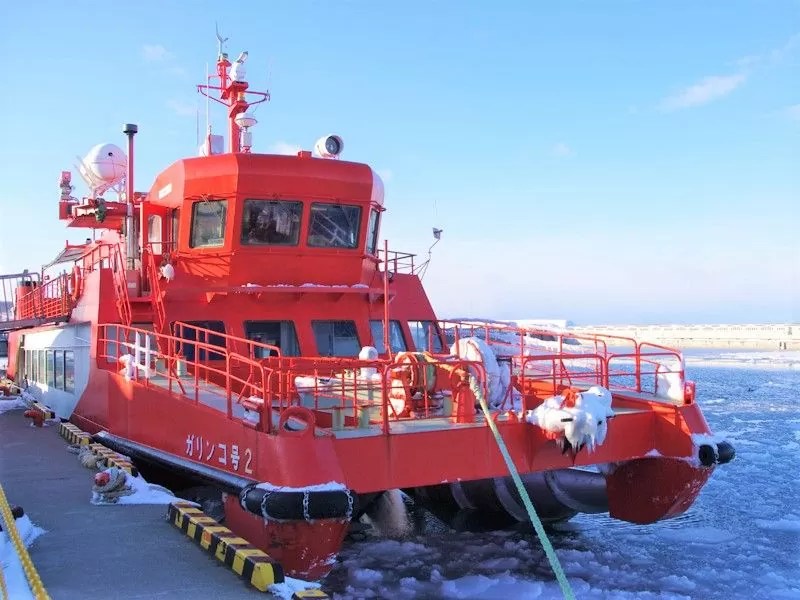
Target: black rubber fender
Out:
[725,452]
[280,505]
[707,454]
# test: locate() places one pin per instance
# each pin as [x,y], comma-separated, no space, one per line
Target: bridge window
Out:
[281,334]
[396,340]
[336,338]
[425,335]
[334,225]
[372,233]
[208,223]
[271,222]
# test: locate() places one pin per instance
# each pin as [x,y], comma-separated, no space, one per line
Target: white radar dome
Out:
[106,162]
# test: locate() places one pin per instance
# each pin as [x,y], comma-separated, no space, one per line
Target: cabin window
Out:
[396,340]
[51,373]
[425,335]
[208,223]
[3,347]
[59,364]
[336,338]
[69,371]
[281,334]
[201,332]
[173,241]
[334,225]
[154,237]
[271,222]
[42,378]
[372,233]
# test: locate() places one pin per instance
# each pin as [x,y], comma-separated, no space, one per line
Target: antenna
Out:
[220,39]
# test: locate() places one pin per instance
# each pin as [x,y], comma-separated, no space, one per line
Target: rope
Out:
[563,582]
[3,588]
[116,487]
[87,458]
[10,526]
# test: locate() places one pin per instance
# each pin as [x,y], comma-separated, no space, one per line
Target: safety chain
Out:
[10,526]
[306,516]
[349,514]
[264,510]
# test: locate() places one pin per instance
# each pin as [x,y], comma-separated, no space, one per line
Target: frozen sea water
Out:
[739,540]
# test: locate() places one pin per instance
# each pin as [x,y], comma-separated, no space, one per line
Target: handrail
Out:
[156,295]
[254,385]
[48,300]
[180,327]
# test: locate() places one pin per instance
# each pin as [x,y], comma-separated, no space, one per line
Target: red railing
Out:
[348,392]
[108,256]
[397,262]
[617,362]
[205,377]
[156,294]
[46,301]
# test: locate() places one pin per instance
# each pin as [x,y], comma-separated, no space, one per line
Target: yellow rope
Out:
[549,551]
[3,588]
[10,527]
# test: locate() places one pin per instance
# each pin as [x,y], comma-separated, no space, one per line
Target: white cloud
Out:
[562,150]
[707,90]
[155,53]
[182,108]
[282,147]
[793,112]
[385,174]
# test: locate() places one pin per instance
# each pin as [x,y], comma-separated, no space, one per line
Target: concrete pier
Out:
[90,551]
[770,336]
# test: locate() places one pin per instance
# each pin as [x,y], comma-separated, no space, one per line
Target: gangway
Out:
[26,301]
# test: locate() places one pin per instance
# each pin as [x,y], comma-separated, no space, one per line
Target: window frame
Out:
[332,337]
[373,228]
[311,213]
[223,202]
[247,328]
[435,337]
[293,204]
[395,327]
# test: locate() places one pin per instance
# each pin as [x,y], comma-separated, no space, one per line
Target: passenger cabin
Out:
[282,250]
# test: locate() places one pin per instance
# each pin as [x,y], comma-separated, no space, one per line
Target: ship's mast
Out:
[233,91]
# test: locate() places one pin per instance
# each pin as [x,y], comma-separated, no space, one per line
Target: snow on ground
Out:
[11,403]
[15,579]
[739,540]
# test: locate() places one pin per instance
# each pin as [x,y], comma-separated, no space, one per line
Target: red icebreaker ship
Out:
[240,324]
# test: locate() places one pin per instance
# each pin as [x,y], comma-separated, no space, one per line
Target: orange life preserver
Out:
[76,283]
[300,413]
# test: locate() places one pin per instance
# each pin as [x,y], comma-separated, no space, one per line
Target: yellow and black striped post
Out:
[46,412]
[251,564]
[73,434]
[109,458]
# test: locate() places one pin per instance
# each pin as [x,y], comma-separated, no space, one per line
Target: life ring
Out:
[76,283]
[300,413]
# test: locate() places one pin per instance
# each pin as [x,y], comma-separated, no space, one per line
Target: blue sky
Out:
[604,162]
